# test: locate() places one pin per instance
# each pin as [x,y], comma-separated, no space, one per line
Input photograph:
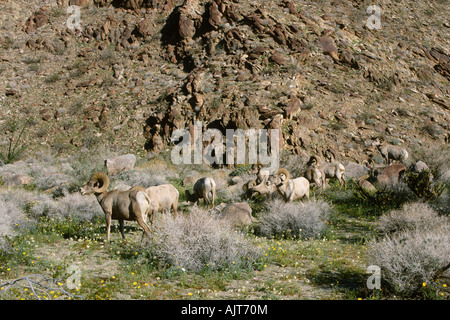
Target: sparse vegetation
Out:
[295,221]
[198,241]
[421,183]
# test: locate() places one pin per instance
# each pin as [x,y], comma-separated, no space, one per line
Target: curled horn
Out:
[313,159]
[285,172]
[103,181]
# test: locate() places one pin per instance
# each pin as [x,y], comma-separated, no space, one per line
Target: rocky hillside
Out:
[136,70]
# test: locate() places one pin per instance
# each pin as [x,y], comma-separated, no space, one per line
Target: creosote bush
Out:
[416,250]
[74,206]
[11,219]
[198,241]
[422,185]
[412,216]
[294,219]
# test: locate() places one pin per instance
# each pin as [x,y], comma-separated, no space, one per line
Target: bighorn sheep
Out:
[163,197]
[128,205]
[328,170]
[247,186]
[313,175]
[390,152]
[204,188]
[389,175]
[262,174]
[289,189]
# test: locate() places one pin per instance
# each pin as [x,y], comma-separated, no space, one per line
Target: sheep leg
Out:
[144,226]
[344,183]
[108,225]
[175,208]
[121,227]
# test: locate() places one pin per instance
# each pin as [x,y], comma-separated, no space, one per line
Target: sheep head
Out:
[379,141]
[280,178]
[98,183]
[265,187]
[191,197]
[313,161]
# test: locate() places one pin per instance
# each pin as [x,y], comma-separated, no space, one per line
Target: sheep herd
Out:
[140,204]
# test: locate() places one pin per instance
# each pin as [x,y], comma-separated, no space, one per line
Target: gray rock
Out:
[238,214]
[355,171]
[121,163]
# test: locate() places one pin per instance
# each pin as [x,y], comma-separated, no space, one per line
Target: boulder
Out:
[15,180]
[355,171]
[121,163]
[238,214]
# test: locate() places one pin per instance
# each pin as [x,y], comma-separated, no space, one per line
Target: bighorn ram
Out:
[128,205]
[204,188]
[390,152]
[328,170]
[289,189]
[163,198]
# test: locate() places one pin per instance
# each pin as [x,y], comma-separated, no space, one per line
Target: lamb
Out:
[127,205]
[289,189]
[164,197]
[390,152]
[204,188]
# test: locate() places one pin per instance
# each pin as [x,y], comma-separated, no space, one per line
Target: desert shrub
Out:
[295,164]
[436,161]
[198,241]
[19,197]
[12,219]
[388,197]
[421,183]
[45,172]
[85,163]
[74,206]
[409,259]
[294,220]
[412,216]
[240,169]
[144,178]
